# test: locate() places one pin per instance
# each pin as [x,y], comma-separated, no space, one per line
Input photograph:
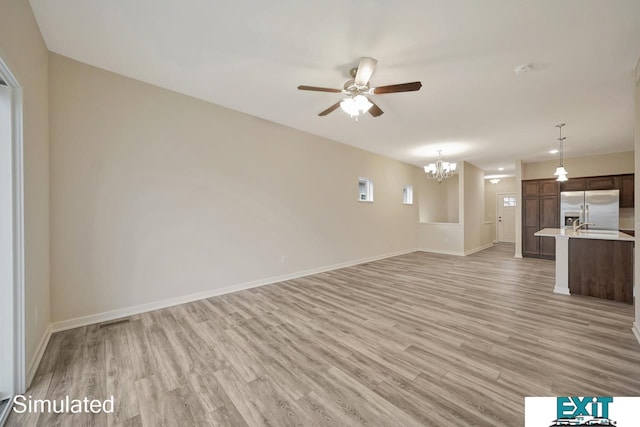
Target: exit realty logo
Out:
[581,411]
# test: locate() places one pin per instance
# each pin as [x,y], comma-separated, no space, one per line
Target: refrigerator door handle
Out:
[586,213]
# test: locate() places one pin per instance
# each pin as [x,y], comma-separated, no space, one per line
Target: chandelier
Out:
[440,169]
[561,172]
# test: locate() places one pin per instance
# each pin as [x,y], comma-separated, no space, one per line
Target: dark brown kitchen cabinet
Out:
[549,218]
[530,188]
[624,183]
[549,188]
[531,224]
[602,183]
[601,268]
[626,186]
[540,210]
[575,184]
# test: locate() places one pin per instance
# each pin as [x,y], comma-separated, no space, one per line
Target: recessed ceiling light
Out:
[500,169]
[553,151]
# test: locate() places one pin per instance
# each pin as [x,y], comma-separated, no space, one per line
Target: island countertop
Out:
[585,234]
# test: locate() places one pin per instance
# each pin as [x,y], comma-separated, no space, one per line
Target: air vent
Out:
[115,322]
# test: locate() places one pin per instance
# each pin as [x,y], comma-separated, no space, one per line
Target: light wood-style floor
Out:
[419,339]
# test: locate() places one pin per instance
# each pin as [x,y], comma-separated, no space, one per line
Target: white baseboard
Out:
[478,249]
[469,252]
[517,256]
[636,330]
[441,252]
[151,306]
[37,357]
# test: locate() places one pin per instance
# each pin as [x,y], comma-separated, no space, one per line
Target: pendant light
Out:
[561,172]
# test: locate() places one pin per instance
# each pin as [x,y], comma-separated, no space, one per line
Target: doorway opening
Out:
[506,217]
[12,338]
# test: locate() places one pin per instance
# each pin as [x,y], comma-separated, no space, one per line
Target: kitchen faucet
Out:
[577,226]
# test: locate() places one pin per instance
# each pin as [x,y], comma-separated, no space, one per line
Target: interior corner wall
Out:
[519,204]
[506,185]
[596,165]
[23,50]
[157,195]
[477,234]
[452,192]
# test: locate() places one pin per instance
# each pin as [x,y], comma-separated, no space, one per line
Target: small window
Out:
[365,190]
[509,201]
[407,194]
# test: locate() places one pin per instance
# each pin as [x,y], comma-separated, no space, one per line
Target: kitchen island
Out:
[596,263]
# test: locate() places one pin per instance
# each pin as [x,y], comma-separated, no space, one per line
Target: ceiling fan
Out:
[356,90]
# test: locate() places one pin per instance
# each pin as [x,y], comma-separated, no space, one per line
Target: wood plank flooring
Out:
[419,339]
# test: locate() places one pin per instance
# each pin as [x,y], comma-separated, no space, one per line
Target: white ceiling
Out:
[251,55]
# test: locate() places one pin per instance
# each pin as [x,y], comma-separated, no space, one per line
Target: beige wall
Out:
[457,237]
[157,195]
[603,164]
[23,50]
[452,190]
[476,232]
[438,201]
[506,185]
[446,238]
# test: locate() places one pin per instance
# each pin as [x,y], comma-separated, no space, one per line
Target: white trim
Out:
[37,357]
[469,252]
[636,330]
[18,228]
[441,252]
[478,249]
[518,256]
[143,308]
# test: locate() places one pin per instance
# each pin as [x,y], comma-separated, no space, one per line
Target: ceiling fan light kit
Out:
[355,106]
[356,101]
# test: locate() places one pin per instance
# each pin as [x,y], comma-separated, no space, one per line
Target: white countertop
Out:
[585,234]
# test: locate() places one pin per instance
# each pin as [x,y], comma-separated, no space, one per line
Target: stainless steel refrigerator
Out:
[599,207]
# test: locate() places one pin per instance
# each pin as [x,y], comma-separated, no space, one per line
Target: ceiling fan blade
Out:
[330,109]
[375,111]
[319,89]
[365,70]
[403,87]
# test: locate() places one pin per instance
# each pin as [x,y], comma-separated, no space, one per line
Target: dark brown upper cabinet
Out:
[602,183]
[626,186]
[574,184]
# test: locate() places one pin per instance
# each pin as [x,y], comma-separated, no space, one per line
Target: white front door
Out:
[506,217]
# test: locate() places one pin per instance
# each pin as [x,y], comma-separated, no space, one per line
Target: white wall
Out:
[506,185]
[156,195]
[23,50]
